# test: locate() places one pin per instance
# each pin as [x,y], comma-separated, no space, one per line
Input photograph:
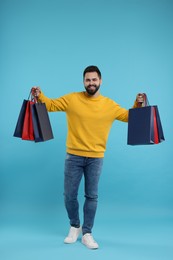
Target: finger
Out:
[140,95]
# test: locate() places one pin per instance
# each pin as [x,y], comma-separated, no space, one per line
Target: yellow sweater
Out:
[89,121]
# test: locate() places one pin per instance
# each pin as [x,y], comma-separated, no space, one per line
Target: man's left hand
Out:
[140,99]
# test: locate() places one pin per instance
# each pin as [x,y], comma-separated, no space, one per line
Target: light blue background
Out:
[48,44]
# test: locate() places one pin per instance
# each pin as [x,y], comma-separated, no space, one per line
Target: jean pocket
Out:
[67,156]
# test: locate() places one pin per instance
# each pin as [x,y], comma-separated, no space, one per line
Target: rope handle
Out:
[31,97]
[146,102]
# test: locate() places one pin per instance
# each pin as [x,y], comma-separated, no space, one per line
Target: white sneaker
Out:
[72,235]
[88,241]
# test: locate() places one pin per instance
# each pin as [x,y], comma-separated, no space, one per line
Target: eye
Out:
[87,80]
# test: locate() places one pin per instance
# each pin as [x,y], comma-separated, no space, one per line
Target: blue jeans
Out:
[75,168]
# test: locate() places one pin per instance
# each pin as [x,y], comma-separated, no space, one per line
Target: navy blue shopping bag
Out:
[41,123]
[144,126]
[19,126]
[37,131]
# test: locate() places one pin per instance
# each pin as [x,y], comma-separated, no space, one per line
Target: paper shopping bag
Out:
[42,123]
[144,126]
[19,126]
[159,125]
[37,131]
[28,130]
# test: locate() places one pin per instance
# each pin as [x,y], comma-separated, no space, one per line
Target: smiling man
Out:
[89,116]
[92,82]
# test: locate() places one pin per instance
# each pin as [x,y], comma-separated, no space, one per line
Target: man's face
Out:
[92,83]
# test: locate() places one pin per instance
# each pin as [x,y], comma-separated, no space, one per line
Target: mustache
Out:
[91,86]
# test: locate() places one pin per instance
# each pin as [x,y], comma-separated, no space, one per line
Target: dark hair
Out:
[92,68]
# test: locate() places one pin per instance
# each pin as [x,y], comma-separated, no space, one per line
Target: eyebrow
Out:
[91,79]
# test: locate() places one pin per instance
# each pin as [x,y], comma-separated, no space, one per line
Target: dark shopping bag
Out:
[42,124]
[144,126]
[37,132]
[19,126]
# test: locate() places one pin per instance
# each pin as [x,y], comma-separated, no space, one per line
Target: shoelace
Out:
[72,233]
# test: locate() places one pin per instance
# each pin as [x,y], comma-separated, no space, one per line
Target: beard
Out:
[92,89]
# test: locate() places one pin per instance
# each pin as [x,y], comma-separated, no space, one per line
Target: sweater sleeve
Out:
[122,113]
[56,104]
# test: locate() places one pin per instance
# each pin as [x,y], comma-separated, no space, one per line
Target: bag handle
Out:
[31,97]
[146,102]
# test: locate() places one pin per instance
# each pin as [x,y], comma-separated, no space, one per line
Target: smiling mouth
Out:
[91,87]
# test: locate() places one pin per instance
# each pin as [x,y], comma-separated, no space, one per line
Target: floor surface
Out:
[124,236]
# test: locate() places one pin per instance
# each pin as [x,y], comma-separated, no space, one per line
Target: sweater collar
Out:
[90,97]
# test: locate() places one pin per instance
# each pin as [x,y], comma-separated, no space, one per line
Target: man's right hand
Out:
[35,91]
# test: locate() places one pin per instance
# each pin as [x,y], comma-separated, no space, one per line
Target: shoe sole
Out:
[90,247]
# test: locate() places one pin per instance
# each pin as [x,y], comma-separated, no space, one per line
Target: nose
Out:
[91,82]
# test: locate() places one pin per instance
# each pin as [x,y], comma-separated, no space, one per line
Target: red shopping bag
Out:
[156,134]
[28,129]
